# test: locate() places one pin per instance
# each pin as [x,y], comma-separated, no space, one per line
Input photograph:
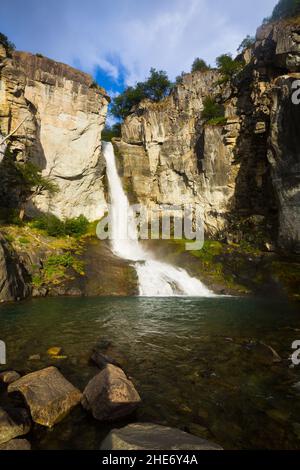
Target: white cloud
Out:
[165,34]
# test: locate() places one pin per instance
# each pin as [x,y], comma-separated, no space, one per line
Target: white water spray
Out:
[156,279]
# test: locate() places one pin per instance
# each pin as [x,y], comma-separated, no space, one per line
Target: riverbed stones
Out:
[146,436]
[110,395]
[13,423]
[48,394]
[16,444]
[9,376]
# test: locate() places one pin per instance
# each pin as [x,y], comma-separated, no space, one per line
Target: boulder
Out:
[48,394]
[13,423]
[101,360]
[16,444]
[110,395]
[9,376]
[146,436]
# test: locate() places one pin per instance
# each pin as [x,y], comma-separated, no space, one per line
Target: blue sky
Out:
[118,41]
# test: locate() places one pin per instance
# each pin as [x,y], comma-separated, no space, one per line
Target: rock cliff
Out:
[62,114]
[248,168]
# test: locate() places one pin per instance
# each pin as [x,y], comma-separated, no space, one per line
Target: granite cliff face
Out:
[247,168]
[63,114]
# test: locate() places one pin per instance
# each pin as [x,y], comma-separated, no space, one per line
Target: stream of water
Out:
[156,278]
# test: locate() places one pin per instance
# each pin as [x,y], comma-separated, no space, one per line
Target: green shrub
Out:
[213,112]
[218,121]
[65,260]
[228,67]
[9,46]
[39,55]
[77,226]
[248,42]
[199,65]
[23,241]
[109,132]
[55,227]
[155,88]
[286,9]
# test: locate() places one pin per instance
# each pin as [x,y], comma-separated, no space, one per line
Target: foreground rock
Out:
[13,276]
[13,423]
[9,377]
[48,394]
[16,444]
[144,436]
[110,395]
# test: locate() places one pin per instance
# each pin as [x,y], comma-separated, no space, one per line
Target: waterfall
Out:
[156,279]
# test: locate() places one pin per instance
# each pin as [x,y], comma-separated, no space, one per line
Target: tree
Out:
[123,103]
[9,46]
[31,183]
[285,9]
[213,112]
[228,66]
[109,132]
[155,88]
[199,65]
[248,42]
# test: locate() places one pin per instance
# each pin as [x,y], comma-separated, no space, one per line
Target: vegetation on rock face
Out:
[109,132]
[9,46]
[213,113]
[54,227]
[248,42]
[156,87]
[285,9]
[228,67]
[199,65]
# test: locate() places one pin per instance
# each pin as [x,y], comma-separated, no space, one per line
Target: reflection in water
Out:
[197,363]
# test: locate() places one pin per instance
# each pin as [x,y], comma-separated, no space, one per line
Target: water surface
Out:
[195,362]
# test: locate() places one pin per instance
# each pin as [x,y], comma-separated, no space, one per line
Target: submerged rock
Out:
[13,423]
[145,436]
[9,377]
[16,444]
[48,394]
[110,395]
[101,360]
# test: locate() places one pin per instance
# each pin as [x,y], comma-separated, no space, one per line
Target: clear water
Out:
[194,362]
[155,278]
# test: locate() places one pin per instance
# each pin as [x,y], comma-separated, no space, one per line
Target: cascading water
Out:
[156,279]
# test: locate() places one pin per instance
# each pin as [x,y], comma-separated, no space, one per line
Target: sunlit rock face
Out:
[248,167]
[65,114]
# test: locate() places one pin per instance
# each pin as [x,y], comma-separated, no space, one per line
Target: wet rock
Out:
[9,377]
[54,351]
[48,394]
[144,436]
[16,444]
[101,360]
[110,395]
[13,423]
[34,357]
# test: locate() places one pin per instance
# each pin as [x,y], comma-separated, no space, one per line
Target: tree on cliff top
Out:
[285,9]
[9,46]
[228,67]
[199,65]
[155,88]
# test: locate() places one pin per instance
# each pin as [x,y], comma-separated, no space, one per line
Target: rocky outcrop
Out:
[13,423]
[16,444]
[48,394]
[13,276]
[62,114]
[145,436]
[249,167]
[110,395]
